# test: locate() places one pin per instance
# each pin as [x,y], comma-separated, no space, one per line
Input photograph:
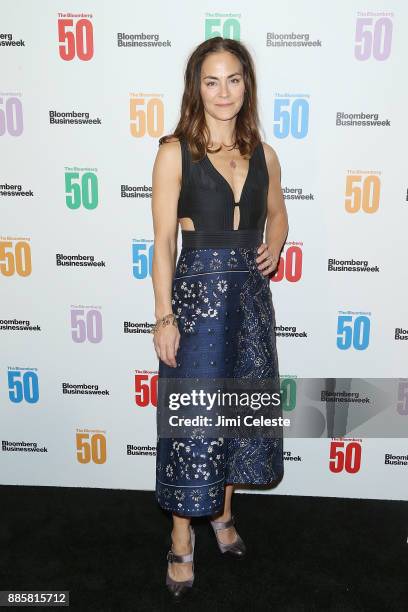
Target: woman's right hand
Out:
[166,340]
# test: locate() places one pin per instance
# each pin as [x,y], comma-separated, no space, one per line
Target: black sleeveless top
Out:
[207,198]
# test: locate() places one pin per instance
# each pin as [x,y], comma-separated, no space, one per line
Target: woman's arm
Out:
[166,183]
[277,225]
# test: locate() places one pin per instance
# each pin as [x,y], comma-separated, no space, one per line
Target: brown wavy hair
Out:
[192,125]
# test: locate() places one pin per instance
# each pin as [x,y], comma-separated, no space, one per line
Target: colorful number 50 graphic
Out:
[231,28]
[86,325]
[347,458]
[75,41]
[291,117]
[148,120]
[373,38]
[353,332]
[81,191]
[142,262]
[23,385]
[288,393]
[91,447]
[146,390]
[15,258]
[362,197]
[289,266]
[11,116]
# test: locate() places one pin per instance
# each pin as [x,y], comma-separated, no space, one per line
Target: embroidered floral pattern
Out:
[226,319]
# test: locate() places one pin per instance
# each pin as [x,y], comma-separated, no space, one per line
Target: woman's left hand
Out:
[266,260]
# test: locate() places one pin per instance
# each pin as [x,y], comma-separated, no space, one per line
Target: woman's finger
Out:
[266,262]
[261,251]
[169,355]
[177,343]
[270,261]
[156,347]
[272,266]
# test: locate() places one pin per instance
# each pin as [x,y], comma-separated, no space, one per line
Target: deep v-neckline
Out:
[218,174]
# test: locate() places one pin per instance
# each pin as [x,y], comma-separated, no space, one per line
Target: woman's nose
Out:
[224,89]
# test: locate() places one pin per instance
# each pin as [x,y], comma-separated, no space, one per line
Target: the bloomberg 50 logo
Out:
[291,116]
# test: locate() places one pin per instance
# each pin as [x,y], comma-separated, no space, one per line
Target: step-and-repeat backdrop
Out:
[86,91]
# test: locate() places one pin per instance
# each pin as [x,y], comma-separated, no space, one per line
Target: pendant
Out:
[233,164]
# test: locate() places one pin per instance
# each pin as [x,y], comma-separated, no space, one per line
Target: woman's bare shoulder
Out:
[270,153]
[271,157]
[169,153]
[167,167]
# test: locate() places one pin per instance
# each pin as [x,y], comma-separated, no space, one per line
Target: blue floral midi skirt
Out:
[226,321]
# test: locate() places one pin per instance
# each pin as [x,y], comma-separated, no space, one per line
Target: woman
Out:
[214,311]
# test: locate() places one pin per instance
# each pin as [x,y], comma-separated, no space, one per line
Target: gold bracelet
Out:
[168,319]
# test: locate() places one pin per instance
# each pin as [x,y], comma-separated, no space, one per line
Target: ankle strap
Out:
[218,525]
[186,558]
[173,558]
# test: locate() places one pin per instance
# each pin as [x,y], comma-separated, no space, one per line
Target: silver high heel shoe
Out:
[237,549]
[178,588]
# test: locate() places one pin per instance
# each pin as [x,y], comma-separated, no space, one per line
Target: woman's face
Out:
[222,85]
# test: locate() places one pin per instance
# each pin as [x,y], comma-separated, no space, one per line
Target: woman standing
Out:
[213,305]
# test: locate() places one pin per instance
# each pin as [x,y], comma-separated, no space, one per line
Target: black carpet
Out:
[108,548]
